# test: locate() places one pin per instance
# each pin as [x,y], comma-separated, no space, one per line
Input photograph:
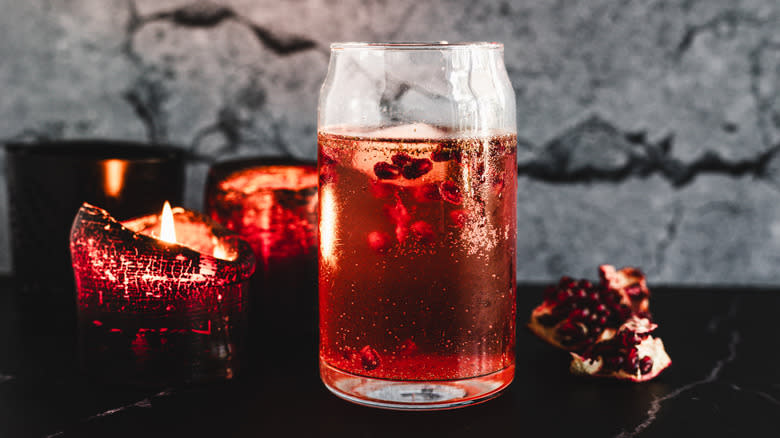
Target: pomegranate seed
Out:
[602,321]
[407,348]
[386,170]
[417,168]
[441,154]
[601,308]
[370,358]
[451,192]
[632,364]
[350,354]
[423,231]
[459,218]
[614,363]
[401,232]
[400,216]
[379,241]
[565,281]
[579,314]
[401,159]
[571,332]
[427,192]
[581,294]
[383,190]
[646,364]
[585,284]
[397,212]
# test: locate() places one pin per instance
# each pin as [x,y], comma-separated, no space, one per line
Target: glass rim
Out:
[417,45]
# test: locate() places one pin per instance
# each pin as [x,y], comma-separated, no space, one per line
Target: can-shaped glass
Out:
[418,180]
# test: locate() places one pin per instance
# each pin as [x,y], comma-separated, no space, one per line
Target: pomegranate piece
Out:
[576,314]
[630,283]
[379,241]
[349,354]
[383,190]
[369,358]
[401,159]
[407,348]
[416,168]
[632,354]
[423,231]
[450,192]
[459,218]
[384,170]
[427,193]
[400,217]
[441,154]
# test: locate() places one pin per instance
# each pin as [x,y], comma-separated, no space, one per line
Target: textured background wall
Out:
[650,130]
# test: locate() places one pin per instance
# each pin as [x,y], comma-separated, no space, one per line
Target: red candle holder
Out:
[154,312]
[272,204]
[47,183]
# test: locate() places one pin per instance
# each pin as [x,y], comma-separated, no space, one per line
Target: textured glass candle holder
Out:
[272,204]
[152,312]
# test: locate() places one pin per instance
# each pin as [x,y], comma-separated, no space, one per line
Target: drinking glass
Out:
[417,170]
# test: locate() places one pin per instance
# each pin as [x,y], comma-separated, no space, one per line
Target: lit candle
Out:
[272,204]
[47,182]
[161,298]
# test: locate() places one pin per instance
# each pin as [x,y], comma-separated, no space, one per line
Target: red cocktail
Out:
[417,278]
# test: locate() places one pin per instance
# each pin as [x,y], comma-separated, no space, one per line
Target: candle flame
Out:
[167,228]
[114,171]
[220,253]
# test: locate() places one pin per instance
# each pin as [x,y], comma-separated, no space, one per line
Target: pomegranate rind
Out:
[649,347]
[592,364]
[630,283]
[550,334]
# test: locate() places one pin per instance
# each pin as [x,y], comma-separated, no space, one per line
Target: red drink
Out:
[417,279]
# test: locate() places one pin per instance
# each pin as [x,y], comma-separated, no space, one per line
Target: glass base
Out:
[408,395]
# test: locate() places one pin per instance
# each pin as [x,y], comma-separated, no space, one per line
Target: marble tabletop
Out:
[724,381]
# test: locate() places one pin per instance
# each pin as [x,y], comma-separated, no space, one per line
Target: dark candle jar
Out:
[47,183]
[272,204]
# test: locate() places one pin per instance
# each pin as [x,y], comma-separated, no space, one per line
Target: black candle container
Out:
[47,183]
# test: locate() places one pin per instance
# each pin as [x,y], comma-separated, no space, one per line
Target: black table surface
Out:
[724,381]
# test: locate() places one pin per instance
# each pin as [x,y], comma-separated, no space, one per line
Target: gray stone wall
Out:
[649,129]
